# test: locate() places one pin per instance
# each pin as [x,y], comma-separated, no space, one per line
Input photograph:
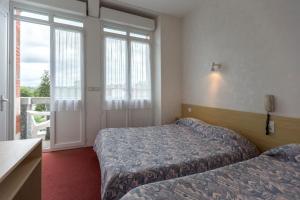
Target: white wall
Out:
[168,69]
[93,78]
[157,94]
[258,43]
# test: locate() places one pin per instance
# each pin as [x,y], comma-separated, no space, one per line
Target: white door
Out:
[4,10]
[67,90]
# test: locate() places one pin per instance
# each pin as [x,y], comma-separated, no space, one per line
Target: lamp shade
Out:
[270,103]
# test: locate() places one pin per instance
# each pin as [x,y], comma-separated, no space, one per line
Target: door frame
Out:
[6,12]
[12,70]
[82,142]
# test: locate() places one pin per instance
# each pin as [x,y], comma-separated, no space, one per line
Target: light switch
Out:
[94,89]
[189,109]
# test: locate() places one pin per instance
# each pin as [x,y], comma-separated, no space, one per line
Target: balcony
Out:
[35,118]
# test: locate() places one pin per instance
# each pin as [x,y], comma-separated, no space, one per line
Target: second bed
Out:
[274,175]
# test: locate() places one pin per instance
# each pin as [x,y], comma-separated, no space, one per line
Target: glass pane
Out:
[115,69]
[140,71]
[68,22]
[115,31]
[142,36]
[67,65]
[29,14]
[32,81]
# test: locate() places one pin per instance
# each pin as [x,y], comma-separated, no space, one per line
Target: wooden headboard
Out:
[250,125]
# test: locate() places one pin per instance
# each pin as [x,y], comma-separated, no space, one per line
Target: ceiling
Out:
[177,8]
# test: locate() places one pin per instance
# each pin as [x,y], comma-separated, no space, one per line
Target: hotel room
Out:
[149,99]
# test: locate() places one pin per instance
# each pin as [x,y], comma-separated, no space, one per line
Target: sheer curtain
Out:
[140,76]
[67,71]
[116,85]
[127,87]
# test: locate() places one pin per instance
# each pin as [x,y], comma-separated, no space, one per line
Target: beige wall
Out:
[157,91]
[93,78]
[258,43]
[171,62]
[168,63]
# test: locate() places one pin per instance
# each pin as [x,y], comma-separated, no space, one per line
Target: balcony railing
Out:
[29,127]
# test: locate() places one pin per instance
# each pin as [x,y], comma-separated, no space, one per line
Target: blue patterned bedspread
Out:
[275,175]
[130,157]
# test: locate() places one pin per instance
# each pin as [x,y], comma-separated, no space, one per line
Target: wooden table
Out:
[20,169]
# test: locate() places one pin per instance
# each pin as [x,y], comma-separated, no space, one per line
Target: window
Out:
[30,14]
[68,60]
[109,30]
[127,70]
[140,71]
[68,22]
[66,47]
[116,69]
[142,36]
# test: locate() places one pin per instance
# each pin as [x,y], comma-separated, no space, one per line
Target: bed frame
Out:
[250,125]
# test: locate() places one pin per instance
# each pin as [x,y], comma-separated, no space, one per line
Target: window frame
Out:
[128,30]
[129,39]
[51,13]
[53,26]
[30,11]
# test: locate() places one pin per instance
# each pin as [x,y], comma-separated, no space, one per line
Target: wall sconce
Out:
[216,67]
[270,107]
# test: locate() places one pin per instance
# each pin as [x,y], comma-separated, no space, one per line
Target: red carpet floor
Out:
[71,175]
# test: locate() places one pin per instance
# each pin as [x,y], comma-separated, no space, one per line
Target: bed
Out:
[273,175]
[130,157]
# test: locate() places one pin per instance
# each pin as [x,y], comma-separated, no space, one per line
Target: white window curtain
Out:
[67,71]
[116,74]
[127,74]
[140,76]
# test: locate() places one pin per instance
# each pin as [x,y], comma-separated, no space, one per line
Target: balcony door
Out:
[67,89]
[32,76]
[48,63]
[4,10]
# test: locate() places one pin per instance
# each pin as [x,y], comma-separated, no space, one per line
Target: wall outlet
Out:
[189,109]
[272,127]
[94,89]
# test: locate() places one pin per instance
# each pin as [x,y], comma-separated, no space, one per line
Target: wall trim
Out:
[250,125]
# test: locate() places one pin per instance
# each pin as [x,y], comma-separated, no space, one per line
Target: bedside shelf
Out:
[20,170]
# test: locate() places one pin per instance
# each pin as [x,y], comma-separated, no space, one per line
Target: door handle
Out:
[2,101]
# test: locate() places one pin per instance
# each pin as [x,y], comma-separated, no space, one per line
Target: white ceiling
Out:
[177,8]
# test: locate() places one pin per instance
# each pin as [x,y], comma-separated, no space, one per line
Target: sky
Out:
[35,53]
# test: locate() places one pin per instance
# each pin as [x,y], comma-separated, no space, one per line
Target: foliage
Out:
[43,90]
[40,119]
[27,91]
